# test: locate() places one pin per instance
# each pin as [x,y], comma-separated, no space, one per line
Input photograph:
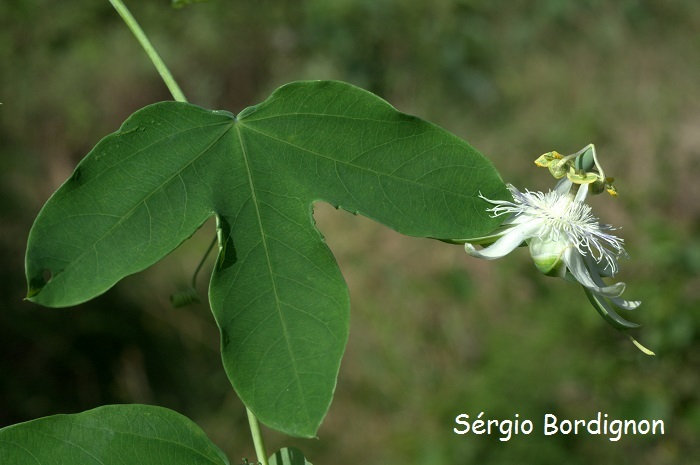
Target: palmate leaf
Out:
[276,292]
[110,435]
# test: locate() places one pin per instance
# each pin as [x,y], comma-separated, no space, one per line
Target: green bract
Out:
[547,255]
[276,292]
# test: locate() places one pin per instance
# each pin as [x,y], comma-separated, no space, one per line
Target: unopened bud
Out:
[546,159]
[558,168]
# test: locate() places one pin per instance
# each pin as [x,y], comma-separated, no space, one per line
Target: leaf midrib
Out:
[248,171]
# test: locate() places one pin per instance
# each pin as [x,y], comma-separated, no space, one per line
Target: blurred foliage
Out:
[434,333]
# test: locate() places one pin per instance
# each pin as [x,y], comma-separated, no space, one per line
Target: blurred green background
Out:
[434,333]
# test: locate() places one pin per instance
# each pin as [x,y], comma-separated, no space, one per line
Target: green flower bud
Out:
[544,160]
[559,168]
[596,187]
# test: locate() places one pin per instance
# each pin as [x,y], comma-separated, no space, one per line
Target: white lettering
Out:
[550,425]
[565,427]
[643,427]
[613,429]
[505,429]
[478,425]
[462,419]
[594,425]
[616,430]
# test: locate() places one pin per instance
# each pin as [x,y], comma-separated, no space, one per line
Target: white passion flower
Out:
[565,240]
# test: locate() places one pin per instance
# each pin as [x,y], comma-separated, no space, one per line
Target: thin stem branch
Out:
[257,437]
[150,50]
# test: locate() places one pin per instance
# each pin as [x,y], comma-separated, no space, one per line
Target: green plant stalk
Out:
[150,50]
[179,96]
[257,438]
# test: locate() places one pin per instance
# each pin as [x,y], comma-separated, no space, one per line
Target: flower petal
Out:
[608,313]
[640,347]
[582,193]
[563,186]
[624,304]
[576,264]
[506,244]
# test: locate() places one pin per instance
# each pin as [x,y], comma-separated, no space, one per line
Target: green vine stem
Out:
[257,438]
[150,50]
[179,96]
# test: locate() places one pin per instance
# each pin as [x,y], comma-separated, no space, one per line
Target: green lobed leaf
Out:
[276,292]
[110,435]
